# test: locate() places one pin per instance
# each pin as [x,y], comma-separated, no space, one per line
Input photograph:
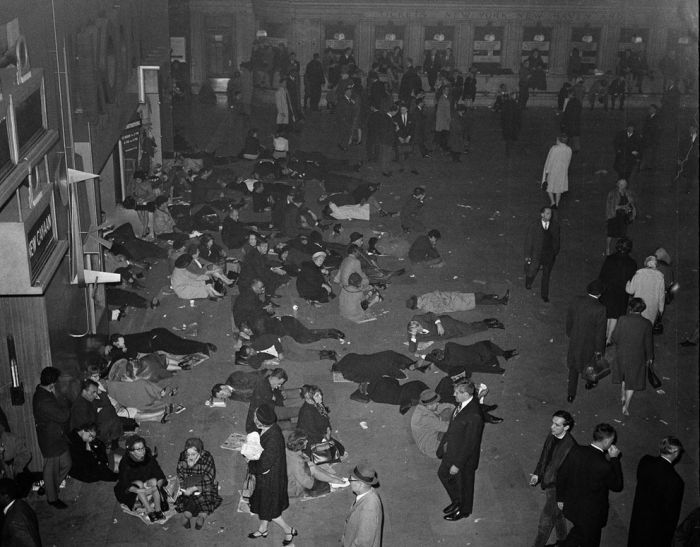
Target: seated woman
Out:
[449,301]
[429,327]
[424,250]
[140,399]
[311,282]
[141,481]
[199,491]
[190,286]
[201,266]
[304,478]
[89,460]
[209,251]
[313,417]
[164,227]
[355,300]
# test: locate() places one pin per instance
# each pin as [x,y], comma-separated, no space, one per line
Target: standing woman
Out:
[555,175]
[618,268]
[620,211]
[196,472]
[648,284]
[635,351]
[270,497]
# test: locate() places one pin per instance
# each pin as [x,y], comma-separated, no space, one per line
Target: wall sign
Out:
[41,240]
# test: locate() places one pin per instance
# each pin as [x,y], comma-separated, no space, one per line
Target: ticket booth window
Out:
[583,56]
[487,49]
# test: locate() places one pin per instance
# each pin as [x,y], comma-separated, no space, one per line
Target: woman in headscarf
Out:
[199,492]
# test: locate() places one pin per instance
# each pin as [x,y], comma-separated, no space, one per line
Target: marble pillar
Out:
[413,42]
[559,49]
[197,53]
[364,46]
[462,47]
[510,48]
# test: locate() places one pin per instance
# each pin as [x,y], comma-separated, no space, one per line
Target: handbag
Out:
[248,486]
[658,327]
[653,378]
[544,185]
[325,452]
[596,370]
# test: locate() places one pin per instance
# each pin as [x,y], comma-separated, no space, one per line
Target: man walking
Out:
[363,527]
[585,327]
[459,451]
[51,417]
[555,450]
[541,249]
[582,486]
[657,500]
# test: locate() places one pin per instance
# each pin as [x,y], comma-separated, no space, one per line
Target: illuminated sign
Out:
[41,240]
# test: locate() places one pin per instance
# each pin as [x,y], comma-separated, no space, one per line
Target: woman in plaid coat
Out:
[199,491]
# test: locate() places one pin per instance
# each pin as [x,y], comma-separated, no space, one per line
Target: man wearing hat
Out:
[429,422]
[363,527]
[585,326]
[459,450]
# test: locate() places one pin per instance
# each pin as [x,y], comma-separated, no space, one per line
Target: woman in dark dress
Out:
[89,461]
[199,491]
[311,283]
[270,497]
[617,270]
[313,417]
[141,480]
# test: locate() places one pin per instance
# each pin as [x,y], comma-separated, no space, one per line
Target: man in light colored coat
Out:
[363,527]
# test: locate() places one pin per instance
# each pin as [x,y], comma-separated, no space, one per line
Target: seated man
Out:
[89,455]
[479,357]
[239,385]
[429,422]
[451,301]
[269,349]
[287,325]
[362,368]
[389,391]
[424,251]
[251,305]
[311,282]
[268,391]
[430,327]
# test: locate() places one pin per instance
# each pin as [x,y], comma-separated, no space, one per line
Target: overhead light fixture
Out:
[262,33]
[587,38]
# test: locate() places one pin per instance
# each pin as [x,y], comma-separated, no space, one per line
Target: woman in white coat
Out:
[648,284]
[555,175]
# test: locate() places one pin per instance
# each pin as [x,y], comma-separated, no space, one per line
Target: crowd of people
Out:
[290,446]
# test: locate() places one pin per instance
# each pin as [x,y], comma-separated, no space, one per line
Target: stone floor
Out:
[481,206]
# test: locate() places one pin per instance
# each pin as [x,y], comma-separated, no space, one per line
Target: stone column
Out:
[559,49]
[607,55]
[197,52]
[510,48]
[363,45]
[413,42]
[243,34]
[468,40]
[656,48]
[461,46]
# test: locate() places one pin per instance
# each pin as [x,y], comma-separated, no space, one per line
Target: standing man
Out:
[571,120]
[510,121]
[628,146]
[347,115]
[459,451]
[582,487]
[657,500]
[651,136]
[313,79]
[688,159]
[585,326]
[419,136]
[555,450]
[405,130]
[20,526]
[51,417]
[541,249]
[363,527]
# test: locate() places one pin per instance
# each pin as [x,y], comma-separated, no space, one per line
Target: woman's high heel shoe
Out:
[293,532]
[258,534]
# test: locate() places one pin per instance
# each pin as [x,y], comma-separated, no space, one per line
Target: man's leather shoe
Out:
[570,398]
[455,516]
[489,419]
[451,508]
[489,408]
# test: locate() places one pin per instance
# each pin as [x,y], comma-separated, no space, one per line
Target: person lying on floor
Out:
[269,349]
[445,389]
[424,250]
[142,399]
[122,295]
[479,357]
[154,340]
[332,211]
[451,301]
[312,284]
[239,385]
[286,325]
[363,367]
[382,389]
[432,327]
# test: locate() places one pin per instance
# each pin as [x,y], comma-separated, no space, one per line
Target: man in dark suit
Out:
[51,416]
[419,136]
[555,450]
[459,450]
[651,137]
[541,249]
[657,500]
[405,130]
[628,150]
[583,481]
[688,159]
[20,526]
[585,327]
[314,79]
